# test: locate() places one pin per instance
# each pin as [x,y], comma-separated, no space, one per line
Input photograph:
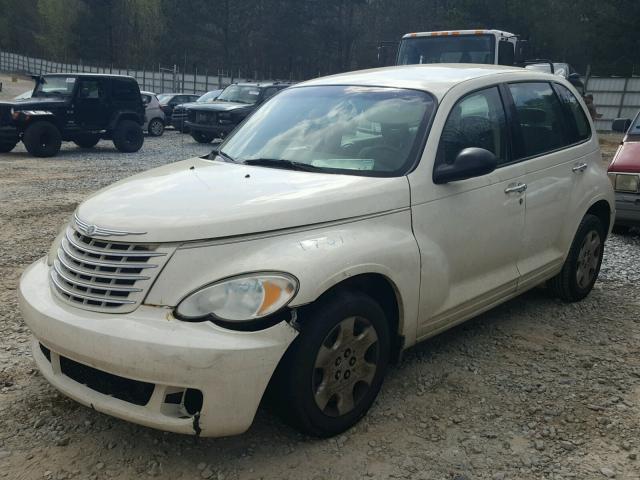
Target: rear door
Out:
[469,231]
[546,141]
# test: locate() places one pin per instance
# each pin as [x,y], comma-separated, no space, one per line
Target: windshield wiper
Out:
[285,164]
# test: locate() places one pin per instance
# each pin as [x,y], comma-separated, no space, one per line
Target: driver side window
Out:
[477,120]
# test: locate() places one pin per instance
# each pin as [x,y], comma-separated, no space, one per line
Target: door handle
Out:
[581,167]
[517,188]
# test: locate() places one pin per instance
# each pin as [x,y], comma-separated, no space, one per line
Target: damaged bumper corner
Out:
[149,368]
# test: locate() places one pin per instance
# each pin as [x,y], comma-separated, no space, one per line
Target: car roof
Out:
[145,92]
[74,74]
[263,84]
[437,79]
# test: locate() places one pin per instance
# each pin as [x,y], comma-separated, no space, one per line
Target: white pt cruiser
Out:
[347,219]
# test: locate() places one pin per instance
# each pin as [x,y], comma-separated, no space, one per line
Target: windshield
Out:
[336,129]
[164,98]
[240,94]
[209,96]
[55,86]
[449,49]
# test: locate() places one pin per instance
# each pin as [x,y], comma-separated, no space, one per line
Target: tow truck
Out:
[486,46]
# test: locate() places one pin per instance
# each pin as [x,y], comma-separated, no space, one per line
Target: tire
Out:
[42,139]
[7,147]
[318,375]
[580,270]
[202,137]
[156,127]
[87,140]
[128,136]
[621,229]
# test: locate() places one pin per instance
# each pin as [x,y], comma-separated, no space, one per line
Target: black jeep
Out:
[82,108]
[216,119]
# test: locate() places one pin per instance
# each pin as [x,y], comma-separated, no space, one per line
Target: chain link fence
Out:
[159,79]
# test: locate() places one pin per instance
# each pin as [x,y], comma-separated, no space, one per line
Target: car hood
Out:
[200,199]
[33,103]
[627,157]
[220,106]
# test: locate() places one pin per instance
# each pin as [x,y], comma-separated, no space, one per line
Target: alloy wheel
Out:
[588,259]
[345,366]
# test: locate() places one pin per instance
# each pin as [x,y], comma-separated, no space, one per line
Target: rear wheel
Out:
[156,127]
[42,139]
[580,270]
[334,370]
[202,137]
[87,140]
[7,146]
[128,136]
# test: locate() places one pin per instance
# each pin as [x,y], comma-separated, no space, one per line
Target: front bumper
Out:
[217,130]
[231,369]
[627,209]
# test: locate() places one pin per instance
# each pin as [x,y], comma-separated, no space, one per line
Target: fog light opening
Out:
[193,401]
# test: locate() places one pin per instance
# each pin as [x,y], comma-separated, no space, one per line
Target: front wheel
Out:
[128,136]
[156,127]
[202,137]
[580,270]
[42,139]
[334,370]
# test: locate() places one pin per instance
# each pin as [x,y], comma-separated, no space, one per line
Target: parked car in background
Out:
[563,69]
[207,121]
[169,101]
[153,114]
[345,220]
[77,107]
[179,116]
[624,173]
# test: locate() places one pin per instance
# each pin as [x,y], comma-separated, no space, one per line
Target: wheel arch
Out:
[125,115]
[602,210]
[385,292]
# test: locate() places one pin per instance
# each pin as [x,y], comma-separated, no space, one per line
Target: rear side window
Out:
[577,123]
[477,120]
[540,117]
[125,90]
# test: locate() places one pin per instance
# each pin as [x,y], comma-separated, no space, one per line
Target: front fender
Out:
[320,258]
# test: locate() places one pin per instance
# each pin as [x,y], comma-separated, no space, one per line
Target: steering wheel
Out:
[383,155]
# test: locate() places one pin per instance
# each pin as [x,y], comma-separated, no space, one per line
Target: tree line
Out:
[305,38]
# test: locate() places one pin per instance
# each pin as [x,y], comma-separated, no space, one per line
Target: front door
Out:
[469,231]
[91,104]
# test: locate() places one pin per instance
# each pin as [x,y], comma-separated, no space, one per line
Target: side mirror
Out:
[470,162]
[621,125]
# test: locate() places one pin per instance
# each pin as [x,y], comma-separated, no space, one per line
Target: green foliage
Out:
[304,38]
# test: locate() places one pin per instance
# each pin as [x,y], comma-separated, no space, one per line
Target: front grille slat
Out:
[103,275]
[102,263]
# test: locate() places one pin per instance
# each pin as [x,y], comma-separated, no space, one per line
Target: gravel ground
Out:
[534,389]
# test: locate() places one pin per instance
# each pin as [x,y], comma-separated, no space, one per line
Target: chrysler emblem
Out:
[95,231]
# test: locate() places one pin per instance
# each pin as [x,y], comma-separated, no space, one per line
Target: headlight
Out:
[626,183]
[242,298]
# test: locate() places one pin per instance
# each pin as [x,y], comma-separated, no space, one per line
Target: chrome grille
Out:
[98,274]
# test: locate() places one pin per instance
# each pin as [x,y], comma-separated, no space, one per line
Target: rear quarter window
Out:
[125,90]
[578,126]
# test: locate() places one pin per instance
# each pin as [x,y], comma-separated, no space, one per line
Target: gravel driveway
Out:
[534,389]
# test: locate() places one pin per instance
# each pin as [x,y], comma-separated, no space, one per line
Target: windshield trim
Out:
[413,159]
